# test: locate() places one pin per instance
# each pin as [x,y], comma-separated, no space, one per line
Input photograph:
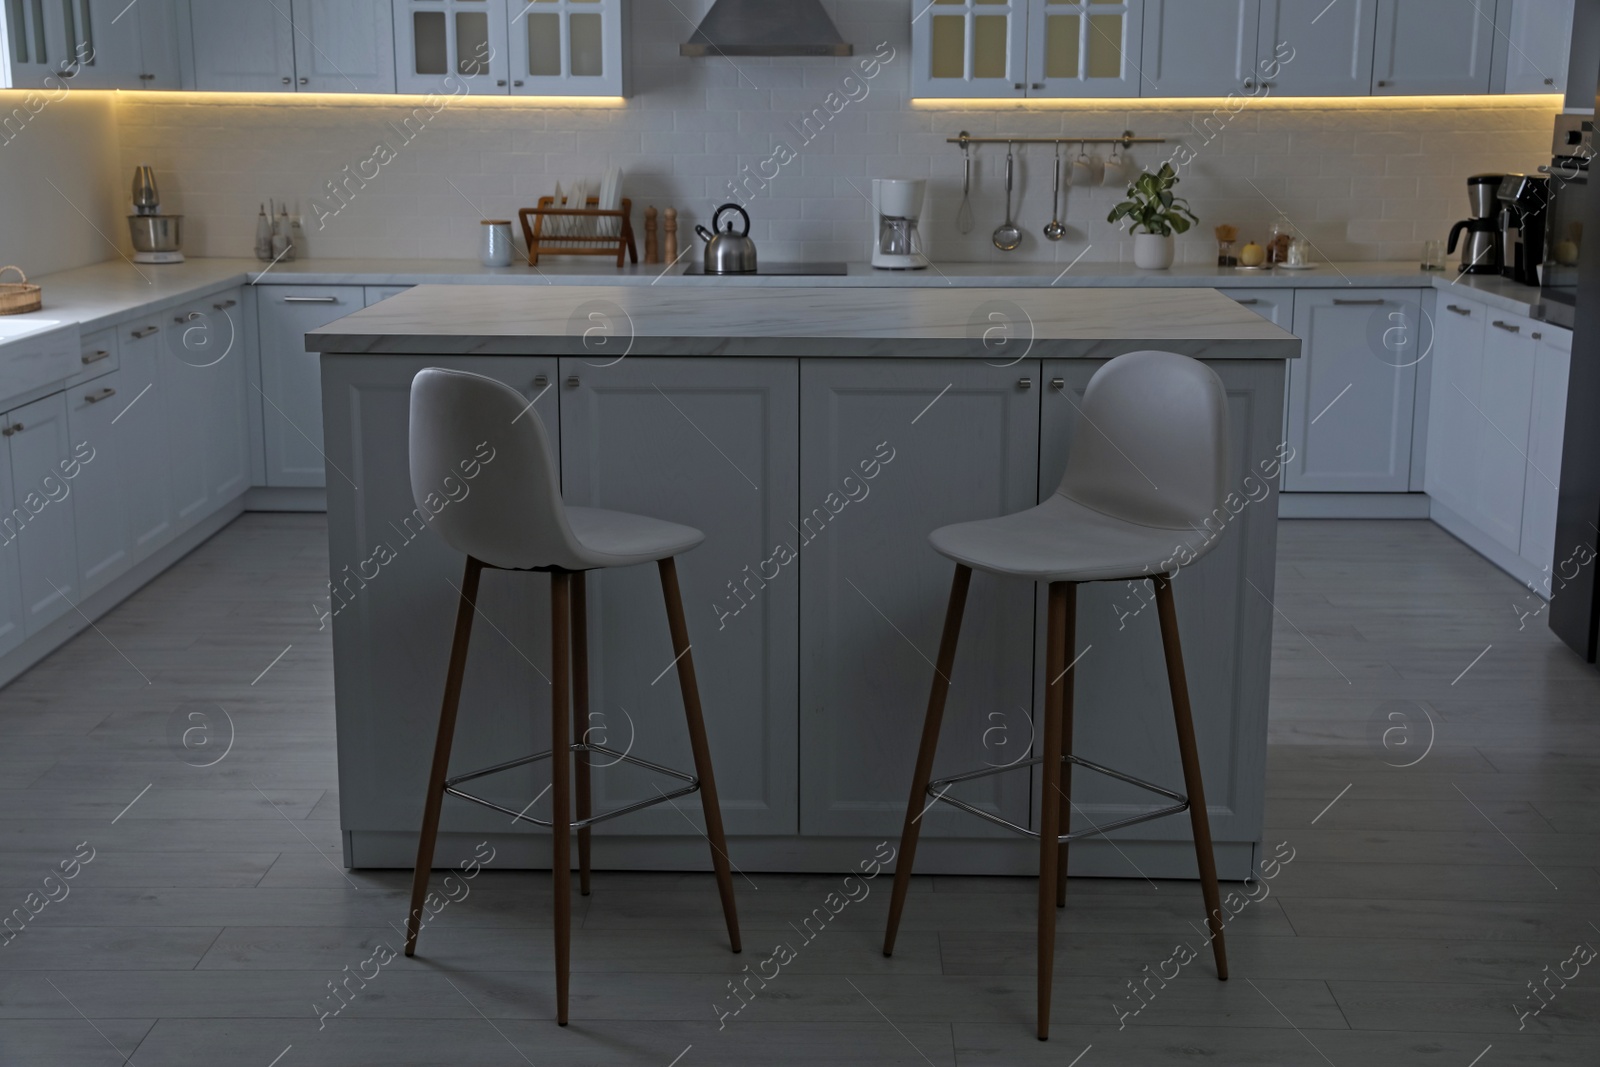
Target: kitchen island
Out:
[815,603]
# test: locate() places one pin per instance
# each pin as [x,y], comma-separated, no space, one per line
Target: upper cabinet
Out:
[1188,48]
[92,44]
[1433,46]
[343,46]
[521,47]
[242,46]
[323,46]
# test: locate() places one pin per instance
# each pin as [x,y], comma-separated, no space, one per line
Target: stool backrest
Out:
[482,468]
[1151,443]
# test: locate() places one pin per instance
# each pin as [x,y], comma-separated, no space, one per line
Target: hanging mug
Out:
[1087,169]
[1116,168]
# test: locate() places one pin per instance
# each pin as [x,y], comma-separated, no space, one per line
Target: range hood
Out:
[766,28]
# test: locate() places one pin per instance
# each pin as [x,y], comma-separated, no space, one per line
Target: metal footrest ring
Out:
[940,788]
[577,824]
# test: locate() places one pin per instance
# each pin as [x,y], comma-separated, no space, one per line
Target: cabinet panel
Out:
[43,470]
[291,390]
[344,46]
[1199,47]
[970,48]
[1503,409]
[1547,426]
[1531,55]
[721,454]
[1352,392]
[1457,384]
[1332,46]
[451,46]
[101,490]
[203,374]
[874,593]
[108,48]
[1084,48]
[242,46]
[566,47]
[1432,46]
[13,626]
[141,428]
[1274,305]
[36,44]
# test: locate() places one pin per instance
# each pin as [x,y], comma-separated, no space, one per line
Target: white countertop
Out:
[114,291]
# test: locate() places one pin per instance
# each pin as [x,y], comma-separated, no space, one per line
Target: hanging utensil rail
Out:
[1127,138]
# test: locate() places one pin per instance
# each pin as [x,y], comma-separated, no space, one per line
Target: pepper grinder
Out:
[670,249]
[652,246]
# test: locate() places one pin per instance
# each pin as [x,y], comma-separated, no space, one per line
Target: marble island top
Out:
[994,324]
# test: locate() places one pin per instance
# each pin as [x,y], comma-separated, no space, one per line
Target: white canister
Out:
[497,248]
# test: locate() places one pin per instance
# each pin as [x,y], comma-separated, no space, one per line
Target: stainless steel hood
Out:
[766,28]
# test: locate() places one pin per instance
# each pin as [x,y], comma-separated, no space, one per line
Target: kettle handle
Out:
[705,234]
[1455,232]
[731,207]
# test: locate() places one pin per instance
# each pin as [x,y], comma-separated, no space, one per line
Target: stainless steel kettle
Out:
[728,252]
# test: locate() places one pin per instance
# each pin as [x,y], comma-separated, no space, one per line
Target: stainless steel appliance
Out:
[156,237]
[1480,253]
[728,252]
[778,270]
[1568,189]
[1523,199]
[897,205]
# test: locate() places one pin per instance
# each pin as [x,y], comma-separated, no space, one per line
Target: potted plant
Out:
[1156,215]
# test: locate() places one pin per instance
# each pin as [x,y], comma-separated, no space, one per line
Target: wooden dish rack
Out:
[595,242]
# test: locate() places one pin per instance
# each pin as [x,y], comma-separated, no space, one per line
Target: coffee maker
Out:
[897,203]
[1524,200]
[1480,253]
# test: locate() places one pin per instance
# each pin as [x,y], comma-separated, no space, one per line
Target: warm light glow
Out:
[1208,103]
[396,100]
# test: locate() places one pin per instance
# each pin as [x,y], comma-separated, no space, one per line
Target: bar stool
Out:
[514,519]
[1148,465]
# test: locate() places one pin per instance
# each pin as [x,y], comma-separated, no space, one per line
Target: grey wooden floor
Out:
[1421,901]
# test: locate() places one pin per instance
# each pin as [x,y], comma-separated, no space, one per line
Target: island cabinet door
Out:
[713,444]
[890,451]
[394,587]
[1124,716]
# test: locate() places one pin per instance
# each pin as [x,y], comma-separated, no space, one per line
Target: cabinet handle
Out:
[99,395]
[1459,310]
[12,429]
[541,380]
[1248,303]
[1382,84]
[1038,85]
[147,77]
[288,81]
[305,81]
[1537,336]
[181,319]
[500,82]
[517,84]
[140,335]
[225,305]
[95,357]
[1018,86]
[1058,383]
[1507,327]
[1024,383]
[1249,85]
[1359,303]
[572,381]
[310,300]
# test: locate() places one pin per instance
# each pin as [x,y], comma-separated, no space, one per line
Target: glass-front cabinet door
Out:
[1084,47]
[566,47]
[442,46]
[970,48]
[35,42]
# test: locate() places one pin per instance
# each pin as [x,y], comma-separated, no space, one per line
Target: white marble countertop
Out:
[805,321]
[111,292]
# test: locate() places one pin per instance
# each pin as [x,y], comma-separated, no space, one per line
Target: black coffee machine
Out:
[1524,204]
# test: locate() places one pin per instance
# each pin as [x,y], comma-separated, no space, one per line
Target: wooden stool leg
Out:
[561,785]
[441,750]
[1070,651]
[1049,796]
[919,803]
[580,716]
[702,749]
[1199,820]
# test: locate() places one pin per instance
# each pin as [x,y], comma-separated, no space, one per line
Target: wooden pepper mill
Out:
[670,250]
[652,248]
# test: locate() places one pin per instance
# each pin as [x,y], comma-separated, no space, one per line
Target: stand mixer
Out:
[155,236]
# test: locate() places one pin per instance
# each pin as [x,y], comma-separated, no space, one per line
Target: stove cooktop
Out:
[779,270]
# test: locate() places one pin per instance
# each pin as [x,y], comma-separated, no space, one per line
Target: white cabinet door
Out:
[1274,305]
[43,470]
[13,628]
[1352,392]
[1326,48]
[344,46]
[1546,428]
[123,46]
[451,46]
[160,66]
[291,377]
[970,48]
[1457,384]
[141,428]
[1532,52]
[1503,410]
[1084,48]
[1432,46]
[208,353]
[566,47]
[101,490]
[1199,47]
[242,46]
[36,44]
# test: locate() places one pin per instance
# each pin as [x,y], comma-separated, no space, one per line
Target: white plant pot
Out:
[1152,251]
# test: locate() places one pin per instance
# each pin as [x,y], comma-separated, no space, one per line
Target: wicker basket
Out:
[18,297]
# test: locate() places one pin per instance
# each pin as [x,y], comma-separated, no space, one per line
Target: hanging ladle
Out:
[1055,231]
[964,215]
[1006,236]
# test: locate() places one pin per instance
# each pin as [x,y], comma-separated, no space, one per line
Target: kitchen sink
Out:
[35,353]
[13,329]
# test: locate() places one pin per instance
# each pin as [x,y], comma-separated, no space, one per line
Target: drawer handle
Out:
[1359,303]
[541,380]
[1058,383]
[1537,336]
[140,335]
[1247,303]
[572,381]
[225,305]
[1024,383]
[1507,327]
[1459,310]
[95,357]
[16,427]
[99,395]
[181,319]
[310,300]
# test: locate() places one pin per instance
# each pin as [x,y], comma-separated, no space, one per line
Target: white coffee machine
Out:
[897,243]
